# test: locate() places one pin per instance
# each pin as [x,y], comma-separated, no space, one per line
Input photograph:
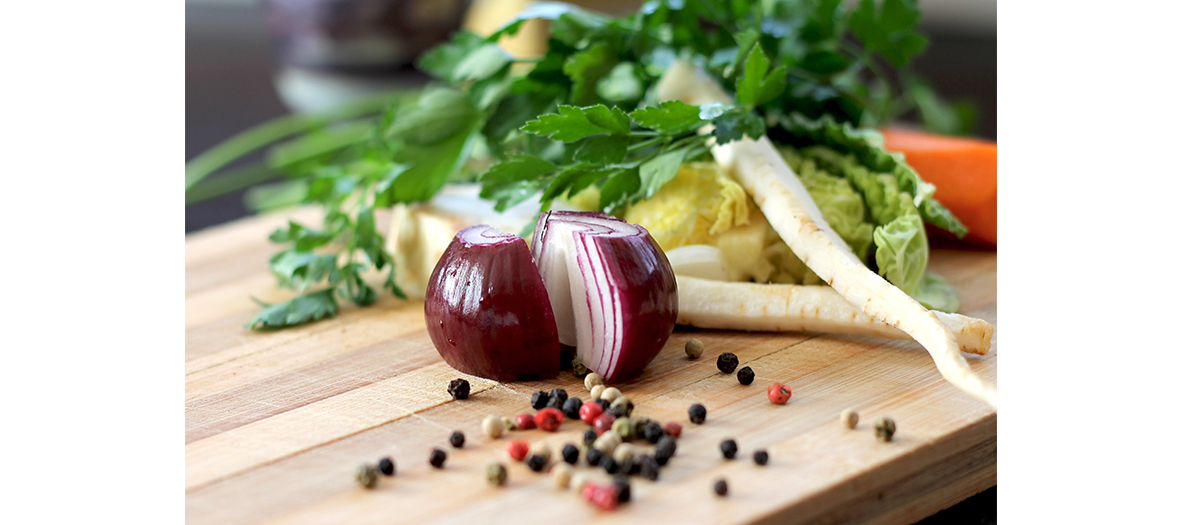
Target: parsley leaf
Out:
[672,117]
[758,83]
[573,123]
[303,309]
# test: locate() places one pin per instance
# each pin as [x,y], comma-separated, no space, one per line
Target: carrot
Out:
[963,170]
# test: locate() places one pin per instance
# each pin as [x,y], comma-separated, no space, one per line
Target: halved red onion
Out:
[611,288]
[487,311]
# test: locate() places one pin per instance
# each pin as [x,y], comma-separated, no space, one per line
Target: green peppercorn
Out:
[721,487]
[694,348]
[457,439]
[745,375]
[497,474]
[727,362]
[386,466]
[761,457]
[640,424]
[884,428]
[624,428]
[366,475]
[570,453]
[696,413]
[729,448]
[437,458]
[580,369]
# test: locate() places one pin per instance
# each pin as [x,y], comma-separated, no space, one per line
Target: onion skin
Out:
[487,311]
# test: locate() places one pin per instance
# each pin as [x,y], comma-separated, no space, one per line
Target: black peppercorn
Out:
[602,402]
[560,395]
[696,413]
[437,458]
[457,439]
[540,399]
[653,432]
[570,453]
[537,462]
[623,487]
[459,389]
[729,448]
[589,437]
[617,412]
[727,362]
[665,449]
[386,466]
[746,375]
[609,464]
[721,487]
[649,468]
[640,424]
[629,466]
[571,407]
[761,457]
[593,456]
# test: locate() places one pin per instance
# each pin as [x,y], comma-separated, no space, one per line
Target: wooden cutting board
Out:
[276,422]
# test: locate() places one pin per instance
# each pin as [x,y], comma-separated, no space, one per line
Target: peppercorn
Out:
[623,452]
[571,407]
[596,392]
[746,375]
[729,448]
[649,468]
[609,465]
[518,449]
[457,439]
[611,393]
[562,472]
[590,411]
[593,456]
[366,475]
[579,480]
[540,399]
[497,474]
[665,449]
[673,429]
[509,423]
[580,369]
[640,424]
[849,418]
[761,457]
[437,458]
[526,422]
[694,348]
[617,412]
[721,487]
[386,466]
[570,453]
[884,428]
[549,419]
[696,413]
[604,422]
[727,362]
[624,428]
[629,465]
[592,380]
[602,403]
[653,432]
[608,441]
[589,436]
[459,389]
[778,393]
[605,497]
[493,426]
[560,395]
[623,402]
[537,463]
[623,486]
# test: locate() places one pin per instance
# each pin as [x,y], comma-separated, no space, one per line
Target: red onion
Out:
[611,288]
[487,311]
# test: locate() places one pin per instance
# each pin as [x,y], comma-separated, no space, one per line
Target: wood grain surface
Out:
[276,422]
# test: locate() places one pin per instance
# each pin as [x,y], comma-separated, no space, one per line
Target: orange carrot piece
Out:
[963,170]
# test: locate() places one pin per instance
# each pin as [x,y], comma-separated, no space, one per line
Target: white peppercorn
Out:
[579,480]
[493,426]
[694,348]
[509,423]
[611,394]
[624,451]
[593,380]
[607,441]
[849,418]
[562,472]
[596,391]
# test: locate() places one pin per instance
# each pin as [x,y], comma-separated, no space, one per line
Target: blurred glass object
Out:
[334,51]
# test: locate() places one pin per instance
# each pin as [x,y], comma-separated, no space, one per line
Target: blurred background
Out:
[249,61]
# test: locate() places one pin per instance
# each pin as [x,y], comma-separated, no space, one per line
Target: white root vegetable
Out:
[800,308]
[777,191]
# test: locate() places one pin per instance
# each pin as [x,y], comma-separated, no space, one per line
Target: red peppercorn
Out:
[588,490]
[603,422]
[606,497]
[779,393]
[518,449]
[672,429]
[589,412]
[525,422]
[548,419]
